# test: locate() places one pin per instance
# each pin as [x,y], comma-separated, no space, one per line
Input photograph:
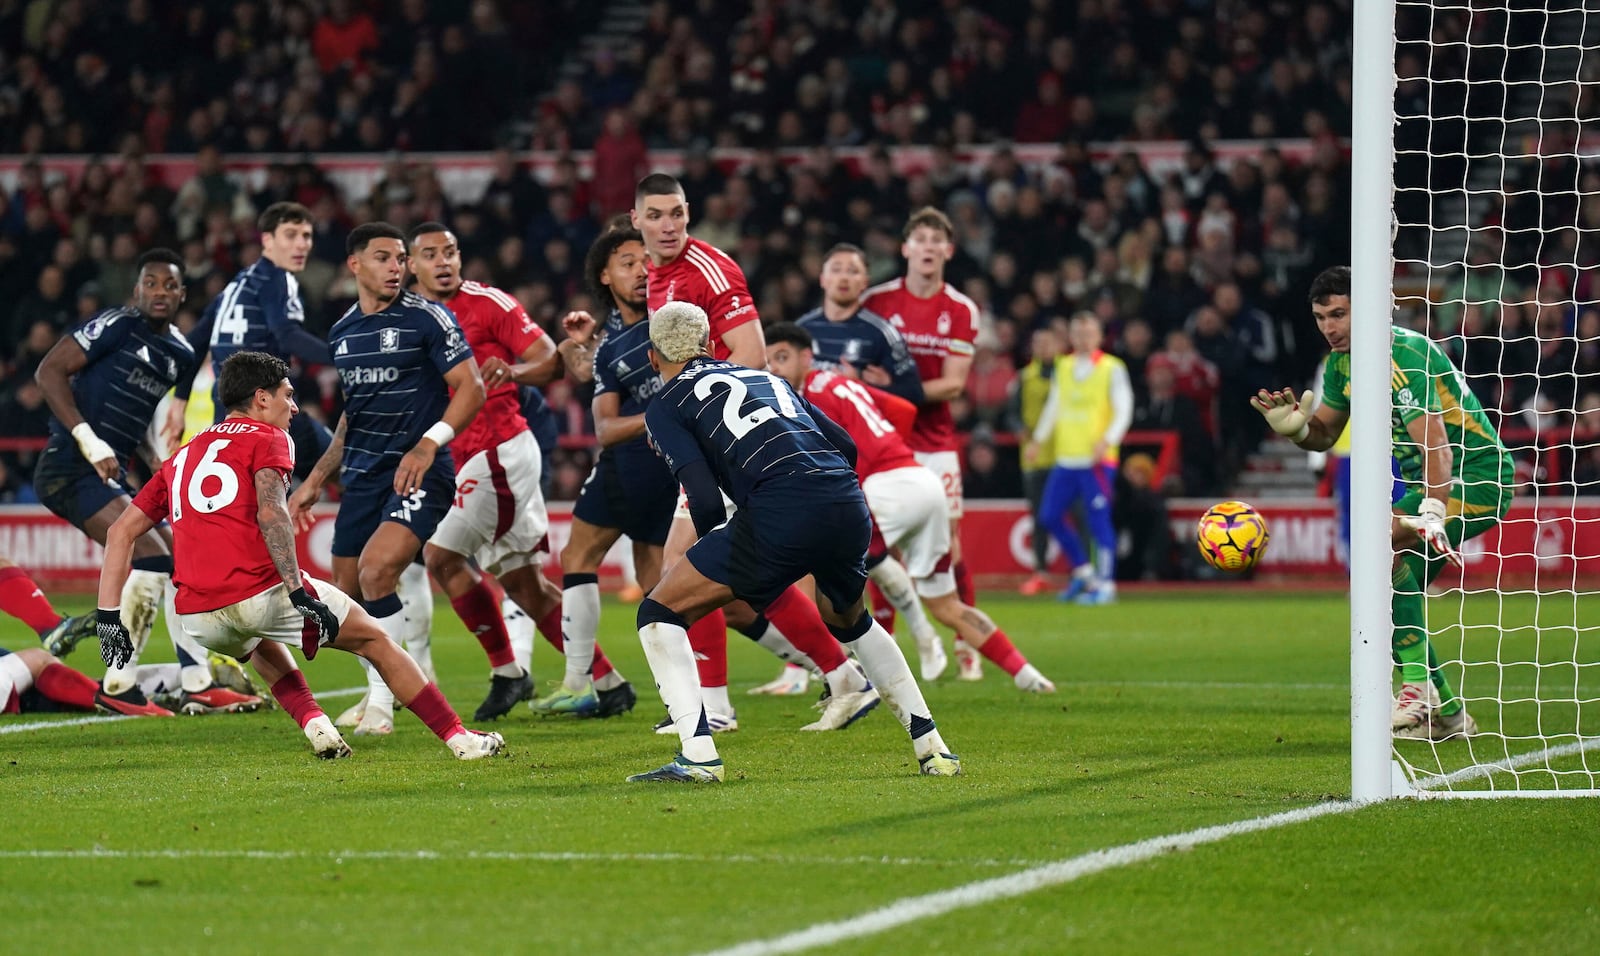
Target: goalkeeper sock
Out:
[25,600]
[1449,702]
[64,685]
[1410,641]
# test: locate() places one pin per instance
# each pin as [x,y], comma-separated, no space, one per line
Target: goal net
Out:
[1496,259]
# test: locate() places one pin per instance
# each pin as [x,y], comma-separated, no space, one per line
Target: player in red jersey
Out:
[240,588]
[498,516]
[684,269]
[905,498]
[939,325]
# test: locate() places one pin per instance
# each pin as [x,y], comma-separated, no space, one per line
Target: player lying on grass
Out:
[240,588]
[906,500]
[24,600]
[725,428]
[1457,477]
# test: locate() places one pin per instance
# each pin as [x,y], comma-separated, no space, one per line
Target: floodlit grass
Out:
[223,834]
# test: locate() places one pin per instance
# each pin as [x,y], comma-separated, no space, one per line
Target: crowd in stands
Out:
[1199,273]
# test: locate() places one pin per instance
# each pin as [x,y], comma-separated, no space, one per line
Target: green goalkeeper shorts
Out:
[1477,503]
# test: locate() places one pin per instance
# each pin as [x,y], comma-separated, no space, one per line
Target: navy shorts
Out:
[69,486]
[764,549]
[636,496]
[369,501]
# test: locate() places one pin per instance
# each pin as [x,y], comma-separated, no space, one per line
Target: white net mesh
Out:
[1497,260]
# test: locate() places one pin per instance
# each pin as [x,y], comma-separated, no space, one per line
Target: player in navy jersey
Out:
[103,383]
[260,311]
[410,384]
[853,341]
[725,428]
[629,491]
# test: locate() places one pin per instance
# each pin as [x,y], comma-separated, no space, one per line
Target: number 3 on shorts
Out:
[409,506]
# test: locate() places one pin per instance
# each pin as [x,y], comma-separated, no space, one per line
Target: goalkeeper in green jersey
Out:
[1456,475]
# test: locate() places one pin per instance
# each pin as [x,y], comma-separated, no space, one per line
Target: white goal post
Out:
[1475,205]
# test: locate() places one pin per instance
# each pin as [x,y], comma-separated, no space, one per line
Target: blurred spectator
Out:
[986,472]
[1165,409]
[1144,535]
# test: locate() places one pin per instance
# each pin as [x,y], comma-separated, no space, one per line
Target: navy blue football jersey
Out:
[865,338]
[391,368]
[622,367]
[131,368]
[259,311]
[748,426]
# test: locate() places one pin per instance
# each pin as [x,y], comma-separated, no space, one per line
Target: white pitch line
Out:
[932,905]
[515,856]
[110,718]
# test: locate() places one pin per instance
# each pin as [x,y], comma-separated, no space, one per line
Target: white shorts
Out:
[683,506]
[498,515]
[908,506]
[15,679]
[235,630]
[947,465]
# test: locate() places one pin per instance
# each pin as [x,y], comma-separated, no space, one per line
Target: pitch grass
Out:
[1175,712]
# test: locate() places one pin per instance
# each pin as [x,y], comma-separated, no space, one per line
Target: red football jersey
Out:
[934,328]
[208,491]
[706,276]
[878,446]
[496,326]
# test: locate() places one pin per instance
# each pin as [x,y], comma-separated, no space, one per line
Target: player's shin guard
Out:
[796,617]
[886,667]
[195,671]
[998,648]
[665,640]
[580,622]
[432,709]
[891,578]
[141,601]
[416,603]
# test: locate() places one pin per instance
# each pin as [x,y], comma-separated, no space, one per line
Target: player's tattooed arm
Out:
[578,348]
[277,529]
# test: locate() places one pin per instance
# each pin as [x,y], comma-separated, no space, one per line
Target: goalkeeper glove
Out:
[1286,416]
[116,644]
[322,628]
[1429,526]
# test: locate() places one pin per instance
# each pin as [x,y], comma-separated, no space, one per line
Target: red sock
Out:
[998,648]
[479,610]
[550,629]
[795,615]
[432,709]
[22,599]
[294,696]
[64,685]
[708,637]
[964,589]
[882,610]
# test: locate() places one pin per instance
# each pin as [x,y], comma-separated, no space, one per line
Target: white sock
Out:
[716,700]
[624,552]
[1084,572]
[774,641]
[196,677]
[141,601]
[845,679]
[892,579]
[159,679]
[416,602]
[666,649]
[519,627]
[887,669]
[580,622]
[378,693]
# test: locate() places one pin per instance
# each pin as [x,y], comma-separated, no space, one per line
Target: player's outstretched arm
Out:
[311,489]
[1293,419]
[116,645]
[54,376]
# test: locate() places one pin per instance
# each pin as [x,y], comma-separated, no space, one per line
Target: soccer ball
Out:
[1232,536]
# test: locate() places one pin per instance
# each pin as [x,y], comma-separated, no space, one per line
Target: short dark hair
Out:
[164,256]
[599,256]
[279,213]
[245,372]
[422,229]
[788,333]
[657,184]
[841,248]
[1332,281]
[363,234]
[933,219]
